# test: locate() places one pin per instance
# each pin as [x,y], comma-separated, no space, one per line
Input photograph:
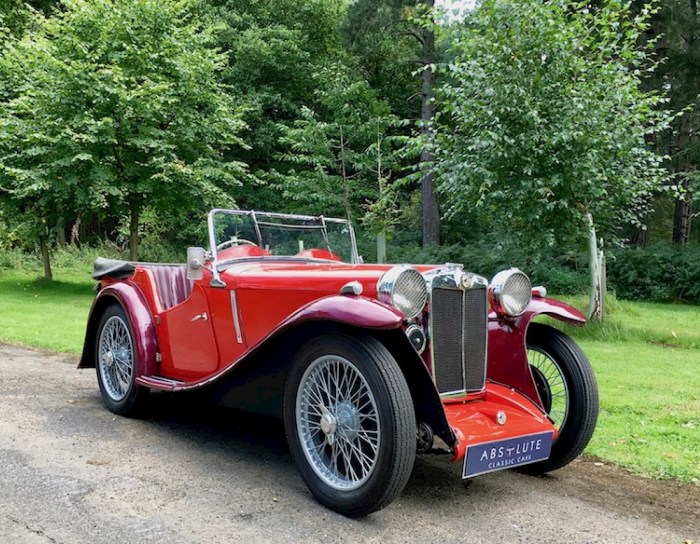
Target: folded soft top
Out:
[113,268]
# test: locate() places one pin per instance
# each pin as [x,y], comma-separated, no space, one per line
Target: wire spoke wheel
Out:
[116,361]
[338,423]
[551,385]
[567,388]
[350,422]
[116,358]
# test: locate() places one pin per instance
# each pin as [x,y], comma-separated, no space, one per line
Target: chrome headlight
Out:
[403,287]
[510,292]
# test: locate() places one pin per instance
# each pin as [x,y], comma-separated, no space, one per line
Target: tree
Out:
[393,38]
[675,35]
[273,50]
[343,154]
[430,213]
[115,104]
[542,120]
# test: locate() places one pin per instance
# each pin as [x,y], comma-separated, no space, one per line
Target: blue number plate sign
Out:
[507,453]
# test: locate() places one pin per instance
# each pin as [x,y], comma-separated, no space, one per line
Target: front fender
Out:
[554,308]
[507,344]
[350,310]
[385,321]
[131,299]
[360,312]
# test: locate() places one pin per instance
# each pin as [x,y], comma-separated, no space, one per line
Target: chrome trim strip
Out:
[236,322]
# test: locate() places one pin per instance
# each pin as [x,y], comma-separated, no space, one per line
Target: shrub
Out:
[561,272]
[660,273]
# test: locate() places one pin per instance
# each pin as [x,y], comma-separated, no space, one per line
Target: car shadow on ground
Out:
[222,429]
[259,439]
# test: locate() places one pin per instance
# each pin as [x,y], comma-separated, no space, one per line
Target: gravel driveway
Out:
[71,472]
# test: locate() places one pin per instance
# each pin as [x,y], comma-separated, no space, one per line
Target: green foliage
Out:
[115,103]
[273,50]
[109,107]
[343,154]
[542,119]
[15,15]
[562,272]
[387,44]
[663,273]
[660,273]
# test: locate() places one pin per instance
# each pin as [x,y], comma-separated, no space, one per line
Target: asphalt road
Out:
[71,472]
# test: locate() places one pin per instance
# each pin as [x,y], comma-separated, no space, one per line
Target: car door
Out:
[190,349]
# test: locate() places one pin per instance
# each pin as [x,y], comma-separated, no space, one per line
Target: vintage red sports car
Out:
[368,364]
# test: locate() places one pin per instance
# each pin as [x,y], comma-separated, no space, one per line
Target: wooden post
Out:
[596,265]
[381,247]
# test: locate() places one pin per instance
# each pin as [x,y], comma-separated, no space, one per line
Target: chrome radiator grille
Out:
[458,329]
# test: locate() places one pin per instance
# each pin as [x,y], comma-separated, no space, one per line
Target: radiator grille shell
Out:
[458,334]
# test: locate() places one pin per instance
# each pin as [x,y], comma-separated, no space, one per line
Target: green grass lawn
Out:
[650,408]
[45,315]
[646,358]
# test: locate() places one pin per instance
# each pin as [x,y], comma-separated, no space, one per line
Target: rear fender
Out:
[507,344]
[131,299]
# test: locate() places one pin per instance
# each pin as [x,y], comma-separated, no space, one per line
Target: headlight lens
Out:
[404,288]
[510,292]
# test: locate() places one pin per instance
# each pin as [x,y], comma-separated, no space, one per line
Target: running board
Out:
[158,382]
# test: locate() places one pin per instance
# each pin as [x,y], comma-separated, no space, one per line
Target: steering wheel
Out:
[235,242]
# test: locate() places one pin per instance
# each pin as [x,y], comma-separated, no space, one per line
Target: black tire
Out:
[389,461]
[579,421]
[116,367]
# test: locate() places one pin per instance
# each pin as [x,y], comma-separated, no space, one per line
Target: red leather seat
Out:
[171,283]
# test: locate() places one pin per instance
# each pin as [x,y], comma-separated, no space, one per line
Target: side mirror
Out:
[195,263]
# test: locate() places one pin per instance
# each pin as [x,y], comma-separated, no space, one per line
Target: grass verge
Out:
[646,357]
[48,315]
[650,408]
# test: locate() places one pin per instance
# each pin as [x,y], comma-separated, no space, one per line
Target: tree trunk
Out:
[44,245]
[343,173]
[61,233]
[75,231]
[381,247]
[640,237]
[681,222]
[682,213]
[431,216]
[134,232]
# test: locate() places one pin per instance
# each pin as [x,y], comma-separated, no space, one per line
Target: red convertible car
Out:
[367,364]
